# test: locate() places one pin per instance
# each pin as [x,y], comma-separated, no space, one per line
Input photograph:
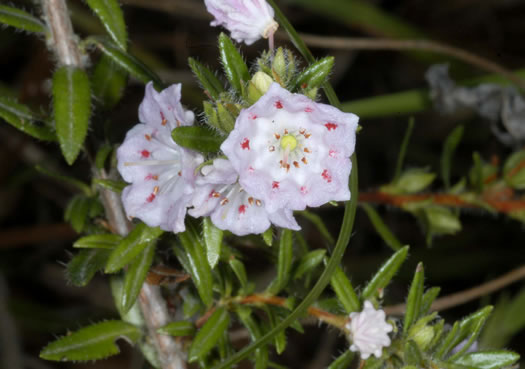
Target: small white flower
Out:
[369,331]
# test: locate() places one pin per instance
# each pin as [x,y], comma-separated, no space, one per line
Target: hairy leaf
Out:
[98,241]
[234,66]
[208,335]
[135,276]
[381,228]
[182,328]
[207,78]
[111,16]
[23,119]
[21,19]
[197,138]
[345,291]
[213,241]
[81,269]
[108,81]
[488,359]
[315,74]
[413,304]
[387,271]
[308,262]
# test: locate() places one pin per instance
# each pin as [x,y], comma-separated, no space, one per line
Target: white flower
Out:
[369,331]
[247,20]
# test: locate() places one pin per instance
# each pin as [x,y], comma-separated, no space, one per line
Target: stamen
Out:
[296,164]
[258,202]
[151,162]
[271,148]
[250,200]
[307,150]
[224,201]
[304,160]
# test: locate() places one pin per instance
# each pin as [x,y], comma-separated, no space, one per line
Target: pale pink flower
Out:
[369,331]
[161,173]
[247,20]
[291,152]
[219,195]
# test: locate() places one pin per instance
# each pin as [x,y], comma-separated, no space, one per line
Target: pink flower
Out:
[161,173]
[292,152]
[247,20]
[219,195]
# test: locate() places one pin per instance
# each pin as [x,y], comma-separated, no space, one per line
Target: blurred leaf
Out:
[261,354]
[514,170]
[198,266]
[102,155]
[383,276]
[65,179]
[318,222]
[199,138]
[413,304]
[240,271]
[410,181]
[98,241]
[308,262]
[477,174]
[72,109]
[108,184]
[315,74]
[21,19]
[94,342]
[226,119]
[126,61]
[209,335]
[268,236]
[284,262]
[438,220]
[381,228]
[108,81]
[343,361]
[81,269]
[412,355]
[181,328]
[207,79]
[403,149]
[234,66]
[344,291]
[111,16]
[77,212]
[132,245]
[488,359]
[23,119]
[213,241]
[428,299]
[135,276]
[452,141]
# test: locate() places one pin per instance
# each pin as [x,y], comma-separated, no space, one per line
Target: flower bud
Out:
[262,81]
[411,181]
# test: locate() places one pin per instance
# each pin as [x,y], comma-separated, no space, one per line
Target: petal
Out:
[284,218]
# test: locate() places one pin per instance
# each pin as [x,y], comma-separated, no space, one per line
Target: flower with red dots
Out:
[161,173]
[247,20]
[219,195]
[292,152]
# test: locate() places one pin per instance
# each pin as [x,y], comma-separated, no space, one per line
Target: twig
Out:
[462,297]
[431,46]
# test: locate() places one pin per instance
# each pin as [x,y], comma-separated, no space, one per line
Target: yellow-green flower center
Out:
[289,142]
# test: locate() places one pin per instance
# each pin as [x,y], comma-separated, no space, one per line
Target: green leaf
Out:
[94,342]
[410,181]
[132,245]
[318,222]
[209,335]
[383,276]
[198,266]
[135,276]
[449,147]
[77,212]
[343,361]
[197,138]
[412,355]
[381,228]
[280,338]
[488,359]
[102,155]
[126,61]
[108,81]
[268,236]
[207,78]
[403,149]
[315,74]
[72,109]
[514,170]
[81,269]
[239,270]
[428,299]
[21,19]
[23,119]
[345,291]
[212,240]
[65,179]
[308,262]
[111,16]
[98,241]
[413,304]
[261,354]
[108,184]
[284,262]
[234,66]
[177,329]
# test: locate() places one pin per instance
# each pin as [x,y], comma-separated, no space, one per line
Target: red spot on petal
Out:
[151,197]
[308,109]
[326,176]
[278,105]
[163,118]
[145,153]
[331,126]
[275,184]
[242,209]
[253,116]
[332,153]
[303,189]
[245,144]
[250,169]
[148,177]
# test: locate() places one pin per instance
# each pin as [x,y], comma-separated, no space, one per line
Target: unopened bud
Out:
[262,81]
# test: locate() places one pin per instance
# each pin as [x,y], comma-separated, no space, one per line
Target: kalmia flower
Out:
[247,20]
[219,195]
[161,173]
[291,152]
[369,331]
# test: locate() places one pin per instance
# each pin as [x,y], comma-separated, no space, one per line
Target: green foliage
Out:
[199,138]
[385,274]
[108,81]
[98,241]
[181,328]
[413,304]
[449,147]
[488,359]
[315,74]
[94,342]
[212,240]
[21,19]
[80,210]
[207,79]
[111,185]
[343,361]
[309,262]
[135,276]
[514,170]
[132,245]
[208,335]
[344,291]
[234,66]
[111,16]
[72,109]
[25,120]
[82,268]
[65,179]
[284,262]
[381,228]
